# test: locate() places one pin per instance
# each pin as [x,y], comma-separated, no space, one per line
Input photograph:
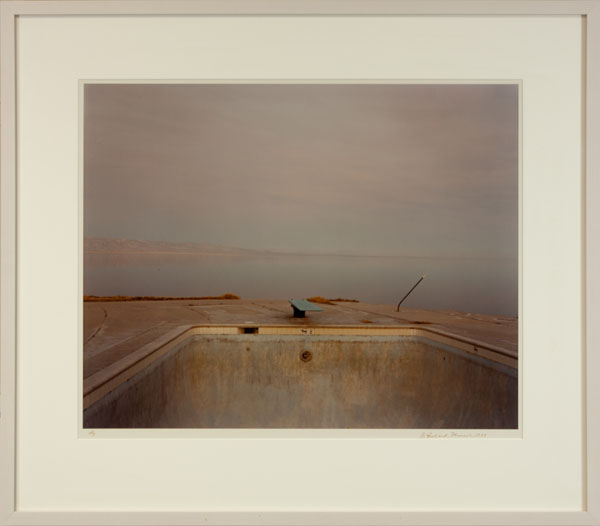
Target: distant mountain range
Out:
[101,245]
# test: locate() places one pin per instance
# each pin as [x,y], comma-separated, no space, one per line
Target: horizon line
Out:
[265,252]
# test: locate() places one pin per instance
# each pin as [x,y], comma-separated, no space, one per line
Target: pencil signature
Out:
[452,434]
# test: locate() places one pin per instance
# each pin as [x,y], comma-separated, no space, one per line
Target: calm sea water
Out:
[486,286]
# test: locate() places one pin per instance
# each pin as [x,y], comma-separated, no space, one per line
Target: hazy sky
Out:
[384,169]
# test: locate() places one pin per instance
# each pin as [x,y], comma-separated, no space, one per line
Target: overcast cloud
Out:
[379,169]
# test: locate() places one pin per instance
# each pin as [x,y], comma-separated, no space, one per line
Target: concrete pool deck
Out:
[114,330]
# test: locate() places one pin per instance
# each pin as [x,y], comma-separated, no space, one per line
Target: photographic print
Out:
[301,255]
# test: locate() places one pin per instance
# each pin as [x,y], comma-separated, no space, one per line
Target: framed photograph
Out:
[299,262]
[423,182]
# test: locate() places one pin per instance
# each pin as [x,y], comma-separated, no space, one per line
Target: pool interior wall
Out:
[312,381]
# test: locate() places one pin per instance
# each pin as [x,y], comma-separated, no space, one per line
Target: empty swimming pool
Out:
[274,377]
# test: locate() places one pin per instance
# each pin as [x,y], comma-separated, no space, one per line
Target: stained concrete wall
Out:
[259,381]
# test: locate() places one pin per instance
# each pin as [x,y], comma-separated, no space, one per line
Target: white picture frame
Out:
[11,509]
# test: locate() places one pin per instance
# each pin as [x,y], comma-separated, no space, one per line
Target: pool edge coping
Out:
[102,382]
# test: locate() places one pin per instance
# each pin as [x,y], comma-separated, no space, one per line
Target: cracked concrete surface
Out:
[113,330]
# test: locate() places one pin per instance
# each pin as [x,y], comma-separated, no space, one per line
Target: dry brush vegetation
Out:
[227,296]
[329,301]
